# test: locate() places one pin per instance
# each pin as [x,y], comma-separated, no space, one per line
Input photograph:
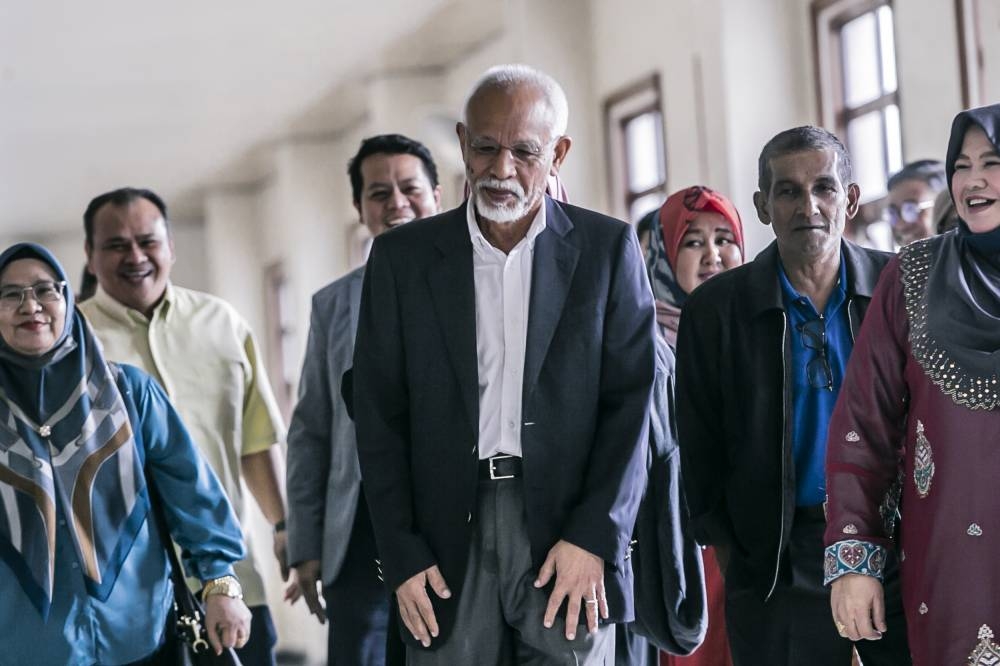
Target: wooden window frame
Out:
[970,52]
[828,18]
[620,192]
[829,60]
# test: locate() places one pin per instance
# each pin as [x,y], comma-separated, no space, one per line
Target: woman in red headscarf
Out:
[695,235]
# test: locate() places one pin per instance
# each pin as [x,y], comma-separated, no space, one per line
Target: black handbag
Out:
[186,637]
[670,605]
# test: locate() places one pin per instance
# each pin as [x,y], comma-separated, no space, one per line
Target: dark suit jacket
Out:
[587,379]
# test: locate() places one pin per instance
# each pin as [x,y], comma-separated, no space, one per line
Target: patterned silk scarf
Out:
[666,292]
[66,448]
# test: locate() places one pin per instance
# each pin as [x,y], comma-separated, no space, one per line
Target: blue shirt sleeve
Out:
[199,516]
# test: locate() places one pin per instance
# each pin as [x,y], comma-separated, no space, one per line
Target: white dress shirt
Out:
[503,294]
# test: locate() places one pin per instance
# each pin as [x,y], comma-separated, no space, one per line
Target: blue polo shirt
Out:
[811,406]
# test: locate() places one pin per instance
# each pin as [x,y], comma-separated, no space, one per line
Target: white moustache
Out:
[511,186]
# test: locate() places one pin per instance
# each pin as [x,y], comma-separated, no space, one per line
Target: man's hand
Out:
[415,604]
[281,552]
[580,577]
[858,607]
[227,622]
[305,583]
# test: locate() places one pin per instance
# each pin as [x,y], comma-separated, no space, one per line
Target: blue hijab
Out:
[66,449]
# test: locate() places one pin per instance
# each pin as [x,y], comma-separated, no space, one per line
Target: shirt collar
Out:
[127,315]
[479,242]
[791,296]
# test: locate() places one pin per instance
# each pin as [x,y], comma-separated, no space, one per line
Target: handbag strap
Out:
[182,595]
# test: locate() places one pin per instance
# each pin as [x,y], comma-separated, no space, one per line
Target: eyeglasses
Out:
[525,154]
[12,297]
[908,212]
[817,370]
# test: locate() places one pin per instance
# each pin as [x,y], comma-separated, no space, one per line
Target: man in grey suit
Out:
[393,180]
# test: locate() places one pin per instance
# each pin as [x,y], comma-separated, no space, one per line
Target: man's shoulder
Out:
[424,231]
[209,310]
[878,258]
[864,266]
[337,289]
[191,299]
[720,291]
[591,217]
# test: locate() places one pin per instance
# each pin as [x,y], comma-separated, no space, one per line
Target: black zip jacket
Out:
[734,407]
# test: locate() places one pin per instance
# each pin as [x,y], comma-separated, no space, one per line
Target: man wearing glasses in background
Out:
[761,353]
[912,191]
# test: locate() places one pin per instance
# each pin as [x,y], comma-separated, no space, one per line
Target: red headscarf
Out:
[682,207]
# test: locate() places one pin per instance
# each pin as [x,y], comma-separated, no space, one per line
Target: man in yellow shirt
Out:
[206,358]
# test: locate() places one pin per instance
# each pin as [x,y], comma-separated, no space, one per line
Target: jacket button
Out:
[469,519]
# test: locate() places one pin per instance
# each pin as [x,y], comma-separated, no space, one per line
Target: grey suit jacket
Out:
[324,478]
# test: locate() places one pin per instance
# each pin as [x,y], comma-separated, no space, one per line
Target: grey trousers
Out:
[499,619]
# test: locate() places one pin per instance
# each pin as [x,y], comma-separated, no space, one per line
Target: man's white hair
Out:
[506,77]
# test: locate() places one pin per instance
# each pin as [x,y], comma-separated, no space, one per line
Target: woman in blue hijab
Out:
[84,575]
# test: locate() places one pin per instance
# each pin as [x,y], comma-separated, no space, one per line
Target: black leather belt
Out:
[500,467]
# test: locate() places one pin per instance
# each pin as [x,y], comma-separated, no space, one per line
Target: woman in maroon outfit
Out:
[695,235]
[916,428]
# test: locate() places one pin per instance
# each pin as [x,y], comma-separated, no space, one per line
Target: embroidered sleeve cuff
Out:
[858,557]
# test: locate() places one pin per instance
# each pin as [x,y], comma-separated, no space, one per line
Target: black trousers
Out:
[795,626]
[357,603]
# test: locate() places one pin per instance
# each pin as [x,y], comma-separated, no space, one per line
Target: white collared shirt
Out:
[503,294]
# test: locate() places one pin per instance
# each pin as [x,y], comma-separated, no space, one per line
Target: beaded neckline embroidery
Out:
[964,388]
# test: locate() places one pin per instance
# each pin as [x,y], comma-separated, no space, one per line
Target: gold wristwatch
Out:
[227,586]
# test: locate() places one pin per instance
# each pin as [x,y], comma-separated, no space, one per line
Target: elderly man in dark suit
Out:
[502,376]
[393,181]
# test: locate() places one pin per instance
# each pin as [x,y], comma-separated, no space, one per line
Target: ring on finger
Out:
[590,602]
[841,628]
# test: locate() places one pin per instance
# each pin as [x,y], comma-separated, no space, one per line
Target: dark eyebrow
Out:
[985,155]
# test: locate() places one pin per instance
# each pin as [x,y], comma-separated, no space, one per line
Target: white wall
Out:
[929,76]
[632,39]
[726,88]
[767,85]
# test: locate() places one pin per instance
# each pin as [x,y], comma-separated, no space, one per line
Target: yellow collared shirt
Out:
[205,357]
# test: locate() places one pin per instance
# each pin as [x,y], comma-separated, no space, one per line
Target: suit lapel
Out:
[553,266]
[453,291]
[355,299]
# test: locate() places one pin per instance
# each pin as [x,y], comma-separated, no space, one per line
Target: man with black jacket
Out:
[761,353]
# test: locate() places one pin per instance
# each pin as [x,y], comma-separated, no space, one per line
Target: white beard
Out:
[504,214]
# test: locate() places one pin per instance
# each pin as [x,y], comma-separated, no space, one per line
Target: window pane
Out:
[644,204]
[887,43]
[642,152]
[893,138]
[866,143]
[859,46]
